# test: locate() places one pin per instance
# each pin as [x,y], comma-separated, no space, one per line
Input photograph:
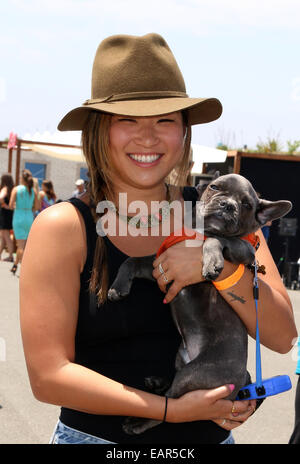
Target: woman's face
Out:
[144,150]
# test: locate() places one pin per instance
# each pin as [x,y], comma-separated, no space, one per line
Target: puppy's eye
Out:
[214,187]
[247,205]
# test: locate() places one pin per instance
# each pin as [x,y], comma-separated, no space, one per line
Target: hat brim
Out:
[200,110]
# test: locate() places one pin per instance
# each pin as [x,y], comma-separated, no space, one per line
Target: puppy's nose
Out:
[227,205]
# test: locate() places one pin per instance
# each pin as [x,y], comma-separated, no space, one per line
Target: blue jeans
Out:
[64,435]
[229,440]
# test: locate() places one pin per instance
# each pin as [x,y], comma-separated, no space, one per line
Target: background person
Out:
[80,188]
[24,201]
[90,355]
[266,230]
[6,186]
[47,195]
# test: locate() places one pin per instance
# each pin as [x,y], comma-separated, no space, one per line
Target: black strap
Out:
[90,225]
[85,212]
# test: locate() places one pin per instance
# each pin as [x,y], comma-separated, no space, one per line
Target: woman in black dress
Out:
[6,214]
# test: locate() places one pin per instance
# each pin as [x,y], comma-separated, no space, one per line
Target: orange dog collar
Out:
[188,234]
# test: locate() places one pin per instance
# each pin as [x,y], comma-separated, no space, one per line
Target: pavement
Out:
[24,420]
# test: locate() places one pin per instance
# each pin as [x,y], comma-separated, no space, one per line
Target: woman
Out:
[24,201]
[6,186]
[90,355]
[47,194]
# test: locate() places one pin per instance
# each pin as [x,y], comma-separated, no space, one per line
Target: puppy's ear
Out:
[271,210]
[216,175]
[203,185]
[201,188]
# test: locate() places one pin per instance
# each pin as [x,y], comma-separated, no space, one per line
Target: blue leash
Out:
[258,354]
[268,387]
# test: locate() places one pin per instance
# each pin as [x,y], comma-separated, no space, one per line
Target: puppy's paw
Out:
[212,271]
[159,385]
[132,425]
[113,295]
[137,425]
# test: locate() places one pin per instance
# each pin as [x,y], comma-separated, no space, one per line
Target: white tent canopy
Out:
[65,153]
[203,154]
[67,138]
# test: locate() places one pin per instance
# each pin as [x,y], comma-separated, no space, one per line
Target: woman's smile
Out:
[145,159]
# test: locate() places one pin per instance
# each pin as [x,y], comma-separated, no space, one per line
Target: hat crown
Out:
[129,64]
[139,76]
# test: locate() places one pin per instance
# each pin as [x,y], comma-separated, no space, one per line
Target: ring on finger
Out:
[160,268]
[165,278]
[233,408]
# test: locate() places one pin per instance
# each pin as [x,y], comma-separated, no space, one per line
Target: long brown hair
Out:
[7,181]
[28,179]
[95,146]
[48,185]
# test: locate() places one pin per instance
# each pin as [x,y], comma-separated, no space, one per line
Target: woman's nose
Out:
[147,135]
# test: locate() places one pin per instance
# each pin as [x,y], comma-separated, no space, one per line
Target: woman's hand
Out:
[180,264]
[210,405]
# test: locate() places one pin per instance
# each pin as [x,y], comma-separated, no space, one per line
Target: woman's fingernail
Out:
[165,301]
[231,386]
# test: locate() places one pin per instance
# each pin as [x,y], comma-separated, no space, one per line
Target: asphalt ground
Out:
[24,420]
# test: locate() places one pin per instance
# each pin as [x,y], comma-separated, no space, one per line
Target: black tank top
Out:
[128,341]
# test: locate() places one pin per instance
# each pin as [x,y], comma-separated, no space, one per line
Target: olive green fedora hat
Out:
[139,76]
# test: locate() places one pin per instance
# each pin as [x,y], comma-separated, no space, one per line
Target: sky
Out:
[244,53]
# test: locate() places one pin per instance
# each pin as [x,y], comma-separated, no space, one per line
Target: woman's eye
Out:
[166,120]
[126,120]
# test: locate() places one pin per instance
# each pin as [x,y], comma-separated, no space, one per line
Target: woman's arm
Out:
[41,195]
[12,199]
[276,321]
[49,293]
[3,194]
[37,201]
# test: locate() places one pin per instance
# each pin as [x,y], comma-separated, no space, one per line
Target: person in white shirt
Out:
[80,188]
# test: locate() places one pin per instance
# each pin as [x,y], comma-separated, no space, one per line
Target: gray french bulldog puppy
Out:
[214,344]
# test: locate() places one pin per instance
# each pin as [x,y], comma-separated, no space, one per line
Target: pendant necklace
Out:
[141,221]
